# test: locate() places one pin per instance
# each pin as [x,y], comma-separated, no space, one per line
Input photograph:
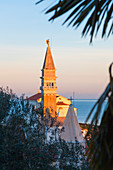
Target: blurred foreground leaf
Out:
[96,13]
[100,150]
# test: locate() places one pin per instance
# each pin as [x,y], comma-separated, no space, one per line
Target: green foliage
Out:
[5,104]
[100,150]
[72,156]
[23,142]
[96,13]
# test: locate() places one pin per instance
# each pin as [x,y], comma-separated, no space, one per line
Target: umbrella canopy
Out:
[71,126]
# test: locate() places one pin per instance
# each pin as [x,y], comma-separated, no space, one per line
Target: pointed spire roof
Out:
[48,62]
[71,127]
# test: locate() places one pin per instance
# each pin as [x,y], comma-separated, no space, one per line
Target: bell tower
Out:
[48,83]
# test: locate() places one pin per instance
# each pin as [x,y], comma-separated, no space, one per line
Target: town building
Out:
[48,96]
[56,104]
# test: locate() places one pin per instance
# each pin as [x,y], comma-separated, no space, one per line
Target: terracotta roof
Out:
[34,97]
[48,62]
[61,103]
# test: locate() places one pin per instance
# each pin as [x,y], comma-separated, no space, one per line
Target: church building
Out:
[48,96]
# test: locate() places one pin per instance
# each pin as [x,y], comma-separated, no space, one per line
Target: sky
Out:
[24,28]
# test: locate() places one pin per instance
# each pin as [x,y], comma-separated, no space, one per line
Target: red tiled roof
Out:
[61,103]
[34,97]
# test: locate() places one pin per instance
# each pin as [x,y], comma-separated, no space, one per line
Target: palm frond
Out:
[100,150]
[98,13]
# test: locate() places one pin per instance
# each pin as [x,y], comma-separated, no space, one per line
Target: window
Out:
[52,84]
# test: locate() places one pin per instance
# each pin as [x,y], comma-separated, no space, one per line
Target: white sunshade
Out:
[72,128]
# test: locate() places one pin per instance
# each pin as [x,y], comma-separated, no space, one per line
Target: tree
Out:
[72,156]
[23,144]
[5,104]
[96,13]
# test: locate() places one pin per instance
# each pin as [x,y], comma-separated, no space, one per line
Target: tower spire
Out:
[48,83]
[48,61]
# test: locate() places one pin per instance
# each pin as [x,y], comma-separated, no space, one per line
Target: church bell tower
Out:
[48,83]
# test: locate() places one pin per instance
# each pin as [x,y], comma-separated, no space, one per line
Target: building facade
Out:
[48,96]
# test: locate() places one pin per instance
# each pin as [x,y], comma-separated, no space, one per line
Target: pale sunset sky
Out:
[81,68]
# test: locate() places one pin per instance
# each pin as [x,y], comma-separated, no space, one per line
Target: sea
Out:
[84,107]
